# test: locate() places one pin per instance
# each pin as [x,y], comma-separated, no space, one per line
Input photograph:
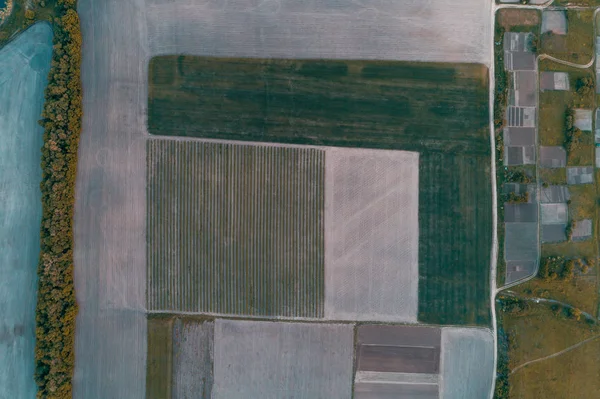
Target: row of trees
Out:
[61,119]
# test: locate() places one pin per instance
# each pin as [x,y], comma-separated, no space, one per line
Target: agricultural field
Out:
[24,66]
[372,251]
[382,105]
[368,29]
[212,250]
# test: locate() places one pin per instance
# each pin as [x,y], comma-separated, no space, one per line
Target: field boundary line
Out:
[570,348]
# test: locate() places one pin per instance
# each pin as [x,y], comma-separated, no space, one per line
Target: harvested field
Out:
[192,359]
[276,360]
[110,206]
[24,65]
[439,110]
[388,105]
[410,30]
[211,250]
[467,363]
[371,224]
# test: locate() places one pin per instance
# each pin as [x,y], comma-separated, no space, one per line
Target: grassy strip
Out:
[61,118]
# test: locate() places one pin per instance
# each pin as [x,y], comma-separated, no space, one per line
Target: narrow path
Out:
[568,63]
[570,348]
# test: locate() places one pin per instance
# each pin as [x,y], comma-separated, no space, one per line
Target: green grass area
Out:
[553,176]
[578,44]
[583,202]
[440,110]
[159,369]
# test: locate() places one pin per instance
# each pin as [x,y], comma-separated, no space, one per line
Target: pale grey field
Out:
[467,363]
[192,359]
[24,65]
[274,360]
[411,30]
[371,234]
[110,206]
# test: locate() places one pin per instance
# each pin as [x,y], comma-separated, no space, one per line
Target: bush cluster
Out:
[573,136]
[61,119]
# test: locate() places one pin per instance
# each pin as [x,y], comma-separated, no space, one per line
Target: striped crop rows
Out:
[235,229]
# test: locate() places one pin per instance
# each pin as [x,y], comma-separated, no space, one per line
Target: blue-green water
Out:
[2,4]
[24,65]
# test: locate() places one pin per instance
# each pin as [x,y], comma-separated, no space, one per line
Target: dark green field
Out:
[440,110]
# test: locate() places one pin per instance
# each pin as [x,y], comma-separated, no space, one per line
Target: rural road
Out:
[571,64]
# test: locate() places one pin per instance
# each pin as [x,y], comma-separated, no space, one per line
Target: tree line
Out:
[61,118]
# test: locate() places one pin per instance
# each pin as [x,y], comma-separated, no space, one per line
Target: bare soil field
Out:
[410,30]
[372,240]
[110,206]
[276,359]
[511,18]
[235,229]
[24,65]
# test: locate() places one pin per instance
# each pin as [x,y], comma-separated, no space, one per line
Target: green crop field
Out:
[235,229]
[439,110]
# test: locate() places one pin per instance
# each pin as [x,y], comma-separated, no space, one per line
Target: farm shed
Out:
[521,242]
[554,233]
[519,136]
[520,213]
[554,81]
[554,21]
[517,52]
[519,269]
[523,94]
[553,157]
[554,213]
[520,116]
[580,175]
[583,120]
[554,194]
[523,155]
[582,230]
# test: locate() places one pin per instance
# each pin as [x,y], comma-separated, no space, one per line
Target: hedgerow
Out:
[61,119]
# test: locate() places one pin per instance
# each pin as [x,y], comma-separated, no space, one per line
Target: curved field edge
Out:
[24,64]
[61,119]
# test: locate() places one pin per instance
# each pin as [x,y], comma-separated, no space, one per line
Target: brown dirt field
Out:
[160,358]
[538,332]
[508,18]
[574,374]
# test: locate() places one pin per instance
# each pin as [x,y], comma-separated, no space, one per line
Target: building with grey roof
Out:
[554,81]
[583,120]
[597,131]
[523,89]
[554,233]
[519,136]
[554,194]
[519,155]
[580,175]
[519,269]
[520,213]
[582,230]
[520,116]
[598,157]
[553,157]
[517,52]
[554,213]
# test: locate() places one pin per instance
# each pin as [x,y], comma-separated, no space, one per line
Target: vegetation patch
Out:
[578,44]
[513,19]
[440,110]
[61,119]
